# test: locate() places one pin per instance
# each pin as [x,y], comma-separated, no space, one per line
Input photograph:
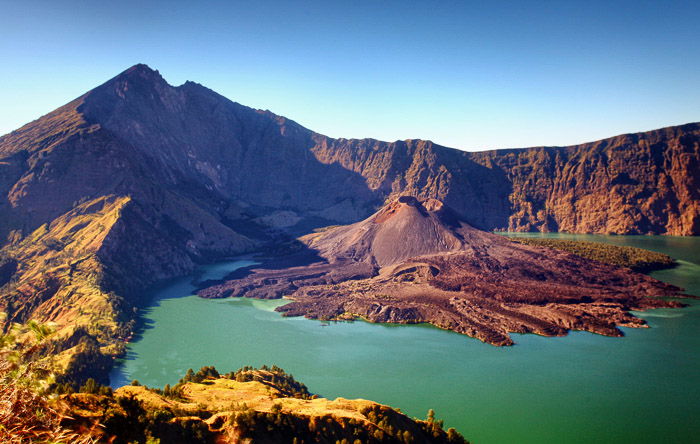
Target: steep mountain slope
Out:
[420,262]
[644,183]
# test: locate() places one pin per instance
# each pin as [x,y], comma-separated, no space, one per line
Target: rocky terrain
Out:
[138,181]
[644,183]
[416,261]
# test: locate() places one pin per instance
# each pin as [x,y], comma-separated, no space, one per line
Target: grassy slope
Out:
[59,280]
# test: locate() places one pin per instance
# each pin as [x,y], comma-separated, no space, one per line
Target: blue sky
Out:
[470,75]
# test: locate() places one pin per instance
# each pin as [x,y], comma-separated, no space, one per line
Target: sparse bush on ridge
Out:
[637,259]
[26,415]
[275,376]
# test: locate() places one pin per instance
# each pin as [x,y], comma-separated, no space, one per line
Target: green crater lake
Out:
[582,388]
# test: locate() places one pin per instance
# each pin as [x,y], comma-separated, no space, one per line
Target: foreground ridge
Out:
[264,405]
[249,405]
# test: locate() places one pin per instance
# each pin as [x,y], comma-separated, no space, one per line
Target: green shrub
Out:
[637,259]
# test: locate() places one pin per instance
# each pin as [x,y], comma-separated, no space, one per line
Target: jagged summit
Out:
[139,80]
[139,70]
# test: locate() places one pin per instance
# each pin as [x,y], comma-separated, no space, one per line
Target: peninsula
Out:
[419,261]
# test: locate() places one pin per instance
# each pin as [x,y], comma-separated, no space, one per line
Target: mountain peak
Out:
[141,68]
[140,71]
[139,77]
[141,86]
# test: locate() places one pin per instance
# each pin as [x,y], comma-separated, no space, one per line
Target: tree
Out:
[91,386]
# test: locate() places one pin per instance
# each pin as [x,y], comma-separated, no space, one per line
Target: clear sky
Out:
[466,74]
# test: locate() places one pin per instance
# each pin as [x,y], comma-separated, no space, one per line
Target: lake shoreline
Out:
[641,388]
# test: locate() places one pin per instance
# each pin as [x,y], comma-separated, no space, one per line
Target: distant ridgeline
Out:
[138,181]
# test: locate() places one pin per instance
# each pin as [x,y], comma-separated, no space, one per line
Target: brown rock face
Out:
[645,183]
[418,261]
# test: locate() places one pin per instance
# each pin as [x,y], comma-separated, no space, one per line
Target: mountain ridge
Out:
[494,182]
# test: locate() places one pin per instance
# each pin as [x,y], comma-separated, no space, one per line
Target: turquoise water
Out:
[583,388]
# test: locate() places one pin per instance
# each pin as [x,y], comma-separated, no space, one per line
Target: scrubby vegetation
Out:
[123,419]
[264,405]
[201,375]
[273,376]
[26,413]
[55,272]
[637,259]
[385,426]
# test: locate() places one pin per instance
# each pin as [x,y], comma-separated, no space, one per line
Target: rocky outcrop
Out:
[416,261]
[645,183]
